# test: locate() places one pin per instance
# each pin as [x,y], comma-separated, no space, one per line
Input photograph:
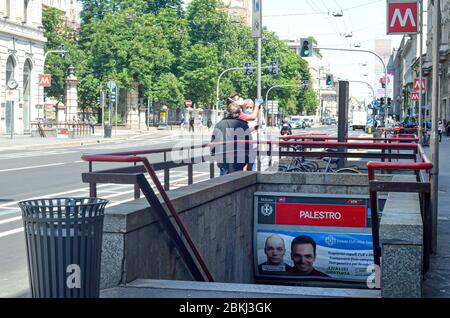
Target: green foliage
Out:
[170,54]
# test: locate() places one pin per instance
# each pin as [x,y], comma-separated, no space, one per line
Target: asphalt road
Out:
[53,172]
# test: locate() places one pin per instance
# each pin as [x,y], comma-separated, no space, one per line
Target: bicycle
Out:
[299,164]
[335,161]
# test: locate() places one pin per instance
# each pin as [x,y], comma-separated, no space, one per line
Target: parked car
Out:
[307,123]
[326,121]
[333,121]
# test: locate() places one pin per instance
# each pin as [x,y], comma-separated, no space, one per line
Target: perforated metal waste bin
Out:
[108,131]
[63,241]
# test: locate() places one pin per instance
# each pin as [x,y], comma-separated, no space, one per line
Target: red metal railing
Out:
[424,164]
[126,157]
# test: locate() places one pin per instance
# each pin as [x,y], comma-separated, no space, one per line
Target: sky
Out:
[364,19]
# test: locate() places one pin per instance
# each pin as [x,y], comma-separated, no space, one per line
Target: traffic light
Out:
[248,70]
[63,51]
[329,80]
[389,102]
[381,103]
[306,47]
[273,67]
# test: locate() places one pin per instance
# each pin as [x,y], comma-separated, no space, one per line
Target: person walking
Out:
[209,123]
[230,157]
[441,129]
[191,123]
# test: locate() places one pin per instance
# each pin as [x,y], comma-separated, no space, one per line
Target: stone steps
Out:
[148,288]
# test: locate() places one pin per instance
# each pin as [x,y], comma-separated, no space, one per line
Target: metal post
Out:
[259,96]
[102,105]
[115,114]
[148,113]
[434,140]
[12,119]
[420,67]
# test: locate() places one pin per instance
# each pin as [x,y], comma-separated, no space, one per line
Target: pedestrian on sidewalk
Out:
[191,123]
[440,129]
[182,121]
[209,124]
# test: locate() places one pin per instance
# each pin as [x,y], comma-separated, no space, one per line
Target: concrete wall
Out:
[321,183]
[401,236]
[219,216]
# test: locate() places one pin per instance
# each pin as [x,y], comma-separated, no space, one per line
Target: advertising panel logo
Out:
[266,210]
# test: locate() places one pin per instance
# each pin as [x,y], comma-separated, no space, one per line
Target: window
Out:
[26,95]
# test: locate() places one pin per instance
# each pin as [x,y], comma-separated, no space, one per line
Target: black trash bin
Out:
[108,131]
[64,242]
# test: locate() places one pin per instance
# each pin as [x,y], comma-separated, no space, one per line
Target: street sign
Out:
[112,85]
[417,84]
[188,103]
[256,19]
[45,80]
[414,96]
[402,17]
[12,95]
[272,107]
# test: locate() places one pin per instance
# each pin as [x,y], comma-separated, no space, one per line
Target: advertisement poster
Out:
[315,255]
[381,83]
[313,237]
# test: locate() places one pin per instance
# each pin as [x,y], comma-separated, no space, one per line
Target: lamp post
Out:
[385,72]
[434,140]
[43,70]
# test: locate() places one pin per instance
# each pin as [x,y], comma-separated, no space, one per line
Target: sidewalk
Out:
[22,142]
[437,280]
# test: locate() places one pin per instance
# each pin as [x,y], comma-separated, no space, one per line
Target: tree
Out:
[199,66]
[168,90]
[57,33]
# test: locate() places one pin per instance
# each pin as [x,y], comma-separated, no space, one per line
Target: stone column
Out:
[71,96]
[133,108]
[60,112]
[142,118]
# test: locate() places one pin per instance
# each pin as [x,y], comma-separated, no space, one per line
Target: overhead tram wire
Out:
[321,12]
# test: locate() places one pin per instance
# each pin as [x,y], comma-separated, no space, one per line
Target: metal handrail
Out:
[163,193]
[425,164]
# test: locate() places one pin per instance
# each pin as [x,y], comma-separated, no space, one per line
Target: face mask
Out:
[248,111]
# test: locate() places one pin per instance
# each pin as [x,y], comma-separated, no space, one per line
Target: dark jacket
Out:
[231,130]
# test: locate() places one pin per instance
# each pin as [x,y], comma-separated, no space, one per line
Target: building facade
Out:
[22,44]
[239,10]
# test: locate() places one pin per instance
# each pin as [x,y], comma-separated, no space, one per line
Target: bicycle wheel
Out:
[309,166]
[297,169]
[348,170]
[314,165]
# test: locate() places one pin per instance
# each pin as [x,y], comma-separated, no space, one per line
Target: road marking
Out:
[10,220]
[86,189]
[18,230]
[33,167]
[15,231]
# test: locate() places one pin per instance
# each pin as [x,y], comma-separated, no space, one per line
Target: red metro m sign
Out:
[402,17]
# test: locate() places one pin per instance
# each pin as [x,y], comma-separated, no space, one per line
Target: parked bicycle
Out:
[333,164]
[299,164]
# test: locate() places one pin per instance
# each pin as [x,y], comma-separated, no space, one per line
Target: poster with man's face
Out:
[313,255]
[313,237]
